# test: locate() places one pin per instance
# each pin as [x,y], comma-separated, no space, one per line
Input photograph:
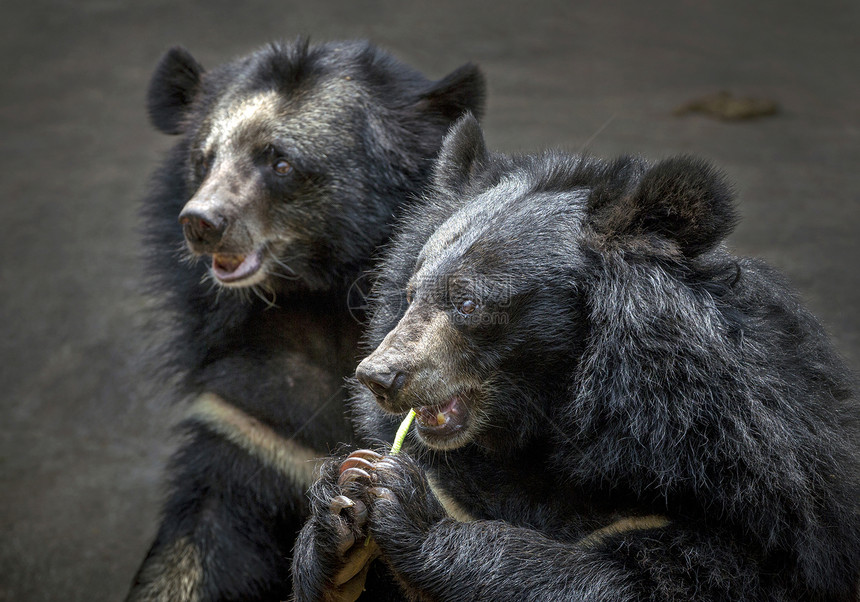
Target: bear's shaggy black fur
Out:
[291,165]
[610,406]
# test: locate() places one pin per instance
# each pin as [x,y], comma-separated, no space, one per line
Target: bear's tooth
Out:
[440,419]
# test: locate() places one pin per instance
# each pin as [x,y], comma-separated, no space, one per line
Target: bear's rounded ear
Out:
[462,156]
[463,90]
[172,89]
[681,199]
[688,200]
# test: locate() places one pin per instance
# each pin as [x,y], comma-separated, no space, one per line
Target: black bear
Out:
[610,406]
[291,165]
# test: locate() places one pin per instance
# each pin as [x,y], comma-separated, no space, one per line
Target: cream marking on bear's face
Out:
[430,338]
[430,347]
[297,462]
[434,338]
[227,121]
[310,120]
[318,111]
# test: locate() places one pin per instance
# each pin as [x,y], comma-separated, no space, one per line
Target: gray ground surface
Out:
[85,432]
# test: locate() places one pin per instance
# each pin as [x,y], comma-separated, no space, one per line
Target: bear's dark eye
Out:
[282,167]
[467,307]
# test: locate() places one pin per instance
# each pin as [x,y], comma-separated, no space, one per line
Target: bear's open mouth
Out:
[230,268]
[444,420]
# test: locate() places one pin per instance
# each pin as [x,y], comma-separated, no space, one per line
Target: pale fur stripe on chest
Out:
[452,507]
[623,525]
[295,461]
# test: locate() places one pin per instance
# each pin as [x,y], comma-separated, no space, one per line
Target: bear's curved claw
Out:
[352,474]
[338,503]
[355,462]
[366,454]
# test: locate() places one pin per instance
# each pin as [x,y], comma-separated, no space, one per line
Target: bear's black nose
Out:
[384,385]
[202,228]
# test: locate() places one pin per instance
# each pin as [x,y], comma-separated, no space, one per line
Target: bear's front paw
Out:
[334,551]
[354,548]
[396,491]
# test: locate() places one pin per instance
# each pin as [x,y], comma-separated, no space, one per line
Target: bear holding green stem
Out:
[609,404]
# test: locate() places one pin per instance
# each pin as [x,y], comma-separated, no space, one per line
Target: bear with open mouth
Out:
[290,167]
[609,404]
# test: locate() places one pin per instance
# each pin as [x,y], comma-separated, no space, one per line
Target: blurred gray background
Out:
[85,429]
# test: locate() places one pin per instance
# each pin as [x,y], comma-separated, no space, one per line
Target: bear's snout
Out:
[202,228]
[383,382]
